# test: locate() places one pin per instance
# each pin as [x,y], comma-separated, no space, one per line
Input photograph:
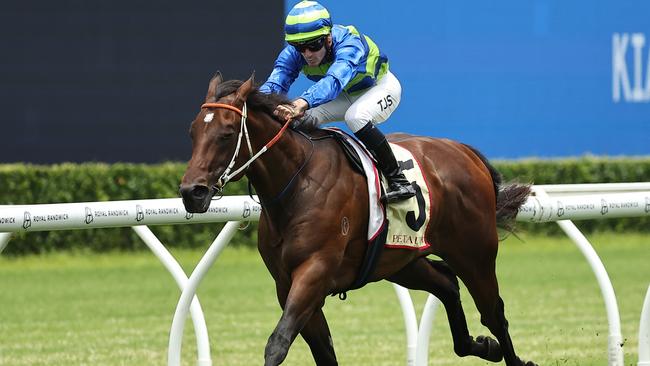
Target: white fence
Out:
[559,203]
[562,203]
[138,214]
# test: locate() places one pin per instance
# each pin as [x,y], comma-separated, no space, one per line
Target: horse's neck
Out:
[274,169]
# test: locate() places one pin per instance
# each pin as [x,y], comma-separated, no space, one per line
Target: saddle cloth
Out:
[407,220]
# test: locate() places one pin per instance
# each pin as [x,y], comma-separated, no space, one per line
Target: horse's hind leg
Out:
[317,335]
[480,278]
[438,279]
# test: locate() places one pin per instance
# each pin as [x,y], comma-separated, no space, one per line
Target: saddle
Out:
[348,149]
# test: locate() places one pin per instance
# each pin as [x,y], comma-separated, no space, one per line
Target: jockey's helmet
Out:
[307,20]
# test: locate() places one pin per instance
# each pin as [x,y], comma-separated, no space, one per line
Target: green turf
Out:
[116,309]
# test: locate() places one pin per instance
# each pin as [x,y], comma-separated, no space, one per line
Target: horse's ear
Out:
[212,88]
[245,89]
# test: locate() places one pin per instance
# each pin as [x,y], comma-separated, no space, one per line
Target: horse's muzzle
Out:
[196,197]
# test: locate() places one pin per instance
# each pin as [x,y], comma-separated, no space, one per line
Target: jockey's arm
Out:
[285,71]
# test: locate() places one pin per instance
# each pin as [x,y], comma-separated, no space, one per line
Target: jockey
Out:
[352,84]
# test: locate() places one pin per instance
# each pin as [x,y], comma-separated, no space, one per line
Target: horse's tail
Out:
[510,197]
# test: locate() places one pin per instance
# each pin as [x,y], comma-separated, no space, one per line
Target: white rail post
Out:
[424,333]
[644,332]
[4,239]
[200,328]
[410,322]
[615,339]
[189,290]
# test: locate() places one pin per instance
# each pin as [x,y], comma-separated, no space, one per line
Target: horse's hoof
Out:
[493,348]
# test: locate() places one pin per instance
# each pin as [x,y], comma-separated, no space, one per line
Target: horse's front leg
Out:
[310,283]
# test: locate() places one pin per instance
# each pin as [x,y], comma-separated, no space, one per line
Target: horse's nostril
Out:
[196,198]
[199,192]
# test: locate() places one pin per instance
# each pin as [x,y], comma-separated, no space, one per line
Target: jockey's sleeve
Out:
[285,71]
[347,57]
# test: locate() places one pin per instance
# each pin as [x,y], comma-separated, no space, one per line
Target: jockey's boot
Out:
[399,188]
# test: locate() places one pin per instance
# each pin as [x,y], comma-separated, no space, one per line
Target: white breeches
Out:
[374,105]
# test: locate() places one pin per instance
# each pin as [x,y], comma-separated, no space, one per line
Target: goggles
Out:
[313,45]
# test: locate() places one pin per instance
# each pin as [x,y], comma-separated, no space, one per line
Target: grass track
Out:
[116,309]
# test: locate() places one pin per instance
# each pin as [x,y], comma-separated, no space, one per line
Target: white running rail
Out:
[550,203]
[562,203]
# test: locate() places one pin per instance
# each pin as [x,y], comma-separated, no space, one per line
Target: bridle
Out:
[226,176]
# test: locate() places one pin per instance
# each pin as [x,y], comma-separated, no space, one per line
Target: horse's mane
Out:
[256,99]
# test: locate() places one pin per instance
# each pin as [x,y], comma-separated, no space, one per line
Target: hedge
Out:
[33,184]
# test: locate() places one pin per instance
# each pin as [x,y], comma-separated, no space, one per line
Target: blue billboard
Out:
[545,78]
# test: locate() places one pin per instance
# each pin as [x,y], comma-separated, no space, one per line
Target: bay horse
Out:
[309,191]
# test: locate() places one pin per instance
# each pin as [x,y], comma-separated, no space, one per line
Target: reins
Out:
[243,130]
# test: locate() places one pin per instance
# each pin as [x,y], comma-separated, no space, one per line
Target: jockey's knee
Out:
[357,116]
[356,120]
[355,125]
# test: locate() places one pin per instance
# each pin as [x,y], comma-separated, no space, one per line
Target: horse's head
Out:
[214,133]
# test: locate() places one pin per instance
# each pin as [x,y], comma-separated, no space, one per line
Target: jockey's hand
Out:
[295,110]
